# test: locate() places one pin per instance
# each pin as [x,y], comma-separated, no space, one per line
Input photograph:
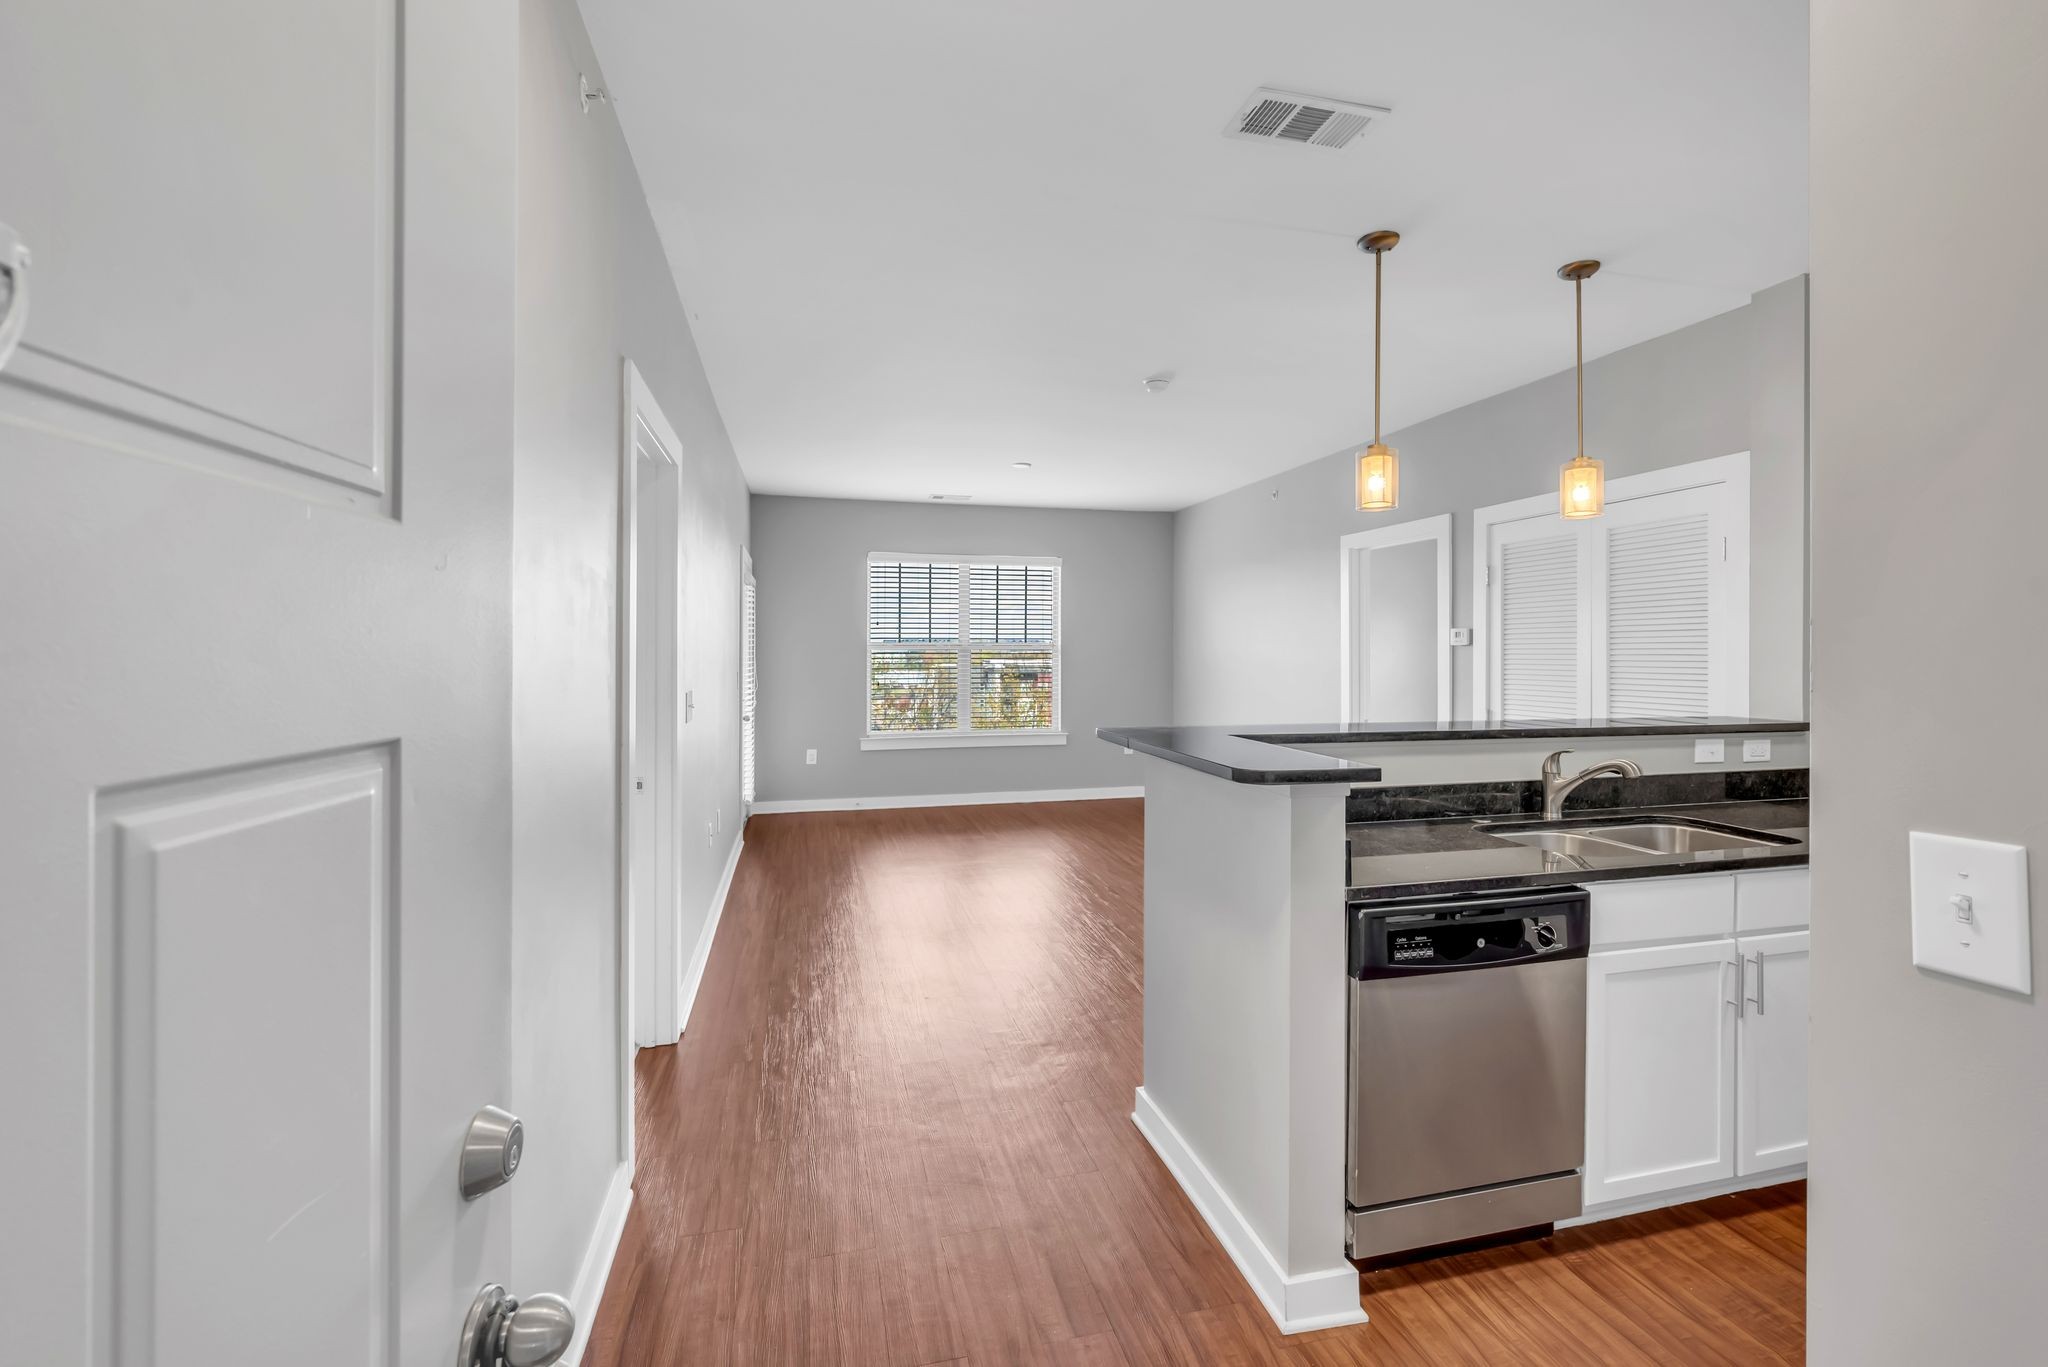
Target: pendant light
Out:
[1582,483]
[1379,465]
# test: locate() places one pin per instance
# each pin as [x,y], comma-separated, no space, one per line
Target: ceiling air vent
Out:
[1282,116]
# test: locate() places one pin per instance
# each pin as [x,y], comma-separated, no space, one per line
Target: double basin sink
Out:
[1636,836]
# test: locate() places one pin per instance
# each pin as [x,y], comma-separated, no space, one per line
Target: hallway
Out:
[897,1133]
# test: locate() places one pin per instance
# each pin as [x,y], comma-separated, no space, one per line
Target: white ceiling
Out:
[921,240]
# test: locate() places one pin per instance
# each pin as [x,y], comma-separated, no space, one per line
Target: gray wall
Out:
[810,565]
[1255,570]
[593,287]
[1926,1239]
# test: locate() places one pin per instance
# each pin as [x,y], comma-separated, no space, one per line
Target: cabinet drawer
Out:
[1698,907]
[1773,899]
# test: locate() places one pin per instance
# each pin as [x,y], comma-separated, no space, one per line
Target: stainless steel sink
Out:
[1673,837]
[1565,842]
[1649,836]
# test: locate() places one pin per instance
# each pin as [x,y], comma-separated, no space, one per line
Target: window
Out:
[1642,612]
[963,650]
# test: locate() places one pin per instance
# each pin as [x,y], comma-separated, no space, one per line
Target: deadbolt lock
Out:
[491,1151]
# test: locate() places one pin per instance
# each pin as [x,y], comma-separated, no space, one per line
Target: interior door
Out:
[1771,1111]
[1660,1069]
[253,579]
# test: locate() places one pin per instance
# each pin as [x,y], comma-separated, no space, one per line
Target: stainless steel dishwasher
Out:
[1468,1067]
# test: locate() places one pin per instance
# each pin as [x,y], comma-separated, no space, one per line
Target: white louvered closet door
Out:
[1675,642]
[1642,612]
[1538,575]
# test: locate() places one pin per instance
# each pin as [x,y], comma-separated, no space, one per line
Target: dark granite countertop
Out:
[1449,855]
[1269,754]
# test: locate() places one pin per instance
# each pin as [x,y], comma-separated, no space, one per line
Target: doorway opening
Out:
[1395,608]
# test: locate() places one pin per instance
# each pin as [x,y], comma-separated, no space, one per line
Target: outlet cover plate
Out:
[1993,945]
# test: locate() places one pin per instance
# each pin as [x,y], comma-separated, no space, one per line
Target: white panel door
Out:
[1770,1109]
[1660,1069]
[253,581]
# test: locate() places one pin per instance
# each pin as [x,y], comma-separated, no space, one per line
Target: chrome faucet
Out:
[1556,787]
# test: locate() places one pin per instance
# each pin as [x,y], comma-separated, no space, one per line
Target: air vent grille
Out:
[1311,120]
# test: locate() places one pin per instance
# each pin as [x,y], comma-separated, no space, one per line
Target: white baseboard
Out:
[851,804]
[1298,1303]
[693,972]
[1685,1195]
[588,1291]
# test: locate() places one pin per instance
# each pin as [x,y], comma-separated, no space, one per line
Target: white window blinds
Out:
[935,670]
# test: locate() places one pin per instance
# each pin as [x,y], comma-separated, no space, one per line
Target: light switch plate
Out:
[1970,916]
[1755,751]
[1461,636]
[1708,752]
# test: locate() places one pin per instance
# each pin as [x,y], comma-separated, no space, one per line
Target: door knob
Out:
[504,1331]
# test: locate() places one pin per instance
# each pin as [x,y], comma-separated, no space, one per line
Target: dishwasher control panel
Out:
[1392,939]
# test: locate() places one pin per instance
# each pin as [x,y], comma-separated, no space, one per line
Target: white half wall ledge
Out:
[853,804]
[588,1292]
[1304,1301]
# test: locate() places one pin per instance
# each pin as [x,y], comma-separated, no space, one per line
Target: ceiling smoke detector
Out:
[1156,384]
[949,498]
[1286,116]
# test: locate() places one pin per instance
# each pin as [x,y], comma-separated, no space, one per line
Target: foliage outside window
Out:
[962,647]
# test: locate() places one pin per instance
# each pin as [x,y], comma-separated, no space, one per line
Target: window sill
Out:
[952,740]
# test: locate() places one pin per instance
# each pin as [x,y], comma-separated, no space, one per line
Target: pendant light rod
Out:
[1378,244]
[1578,272]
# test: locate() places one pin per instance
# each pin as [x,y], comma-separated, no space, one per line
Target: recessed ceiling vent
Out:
[1311,120]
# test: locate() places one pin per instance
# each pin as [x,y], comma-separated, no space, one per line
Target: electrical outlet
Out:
[810,756]
[1708,752]
[1755,751]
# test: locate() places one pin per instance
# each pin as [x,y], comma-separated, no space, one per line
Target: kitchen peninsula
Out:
[1259,843]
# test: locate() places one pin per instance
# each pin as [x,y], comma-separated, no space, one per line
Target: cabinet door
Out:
[1660,1069]
[1771,1105]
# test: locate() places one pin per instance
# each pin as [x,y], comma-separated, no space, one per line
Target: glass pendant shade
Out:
[1581,488]
[1379,478]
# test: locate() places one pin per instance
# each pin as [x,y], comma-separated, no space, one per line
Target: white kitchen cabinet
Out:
[1770,1106]
[1660,1068]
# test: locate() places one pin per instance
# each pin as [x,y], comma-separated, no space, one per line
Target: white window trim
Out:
[1730,470]
[967,739]
[1354,601]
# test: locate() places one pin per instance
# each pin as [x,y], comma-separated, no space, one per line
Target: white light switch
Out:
[1970,910]
[810,756]
[1461,636]
[1708,752]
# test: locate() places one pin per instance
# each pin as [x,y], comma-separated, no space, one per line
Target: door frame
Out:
[640,418]
[1730,472]
[1353,602]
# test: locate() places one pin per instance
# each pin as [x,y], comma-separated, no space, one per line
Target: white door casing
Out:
[255,778]
[650,630]
[1660,1068]
[1771,1109]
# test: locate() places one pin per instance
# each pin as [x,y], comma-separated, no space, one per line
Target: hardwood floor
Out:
[898,1133]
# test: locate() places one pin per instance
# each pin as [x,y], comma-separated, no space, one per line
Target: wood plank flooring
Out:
[898,1133]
